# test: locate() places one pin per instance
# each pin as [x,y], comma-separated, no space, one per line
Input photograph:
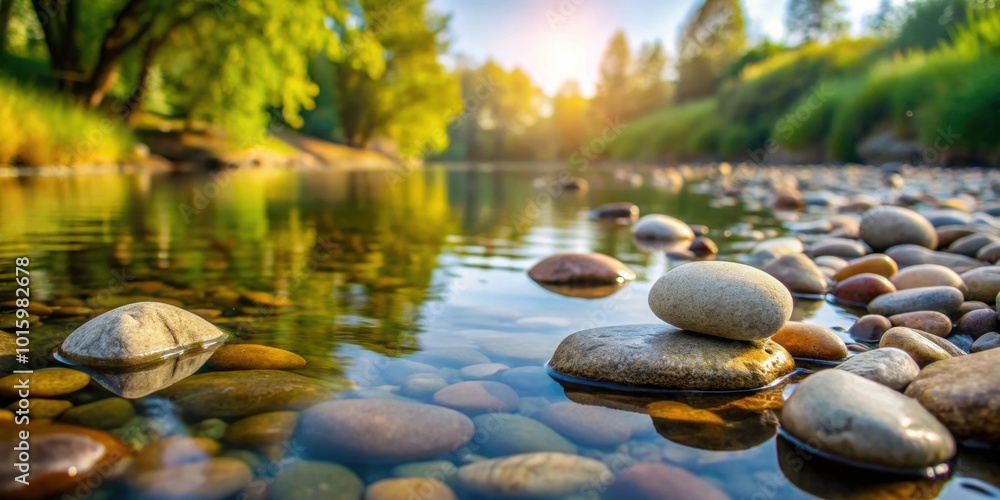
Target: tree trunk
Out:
[5,9]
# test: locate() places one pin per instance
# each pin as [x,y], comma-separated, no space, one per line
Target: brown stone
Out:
[928,321]
[655,481]
[963,394]
[920,348]
[581,268]
[254,357]
[923,275]
[409,487]
[803,340]
[862,288]
[870,327]
[877,263]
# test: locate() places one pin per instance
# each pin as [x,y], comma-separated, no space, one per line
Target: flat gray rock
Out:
[943,299]
[666,357]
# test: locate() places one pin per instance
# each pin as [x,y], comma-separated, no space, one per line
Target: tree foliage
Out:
[815,20]
[712,38]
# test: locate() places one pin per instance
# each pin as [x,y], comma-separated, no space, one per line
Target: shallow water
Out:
[381,266]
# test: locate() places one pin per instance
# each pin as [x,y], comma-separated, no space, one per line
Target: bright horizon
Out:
[560,40]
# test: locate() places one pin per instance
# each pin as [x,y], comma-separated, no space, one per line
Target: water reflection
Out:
[136,382]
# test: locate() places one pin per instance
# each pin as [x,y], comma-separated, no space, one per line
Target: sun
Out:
[562,57]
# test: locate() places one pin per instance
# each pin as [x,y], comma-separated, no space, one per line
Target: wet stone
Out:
[107,413]
[214,478]
[923,275]
[483,371]
[42,408]
[803,340]
[45,383]
[879,264]
[798,273]
[891,367]
[870,328]
[928,321]
[422,386]
[344,431]
[864,422]
[475,397]
[589,425]
[978,322]
[921,348]
[254,357]
[661,227]
[963,394]
[174,450]
[862,288]
[533,475]
[424,489]
[943,299]
[988,341]
[653,481]
[837,247]
[243,393]
[502,434]
[581,268]
[665,357]
[265,429]
[983,283]
[911,255]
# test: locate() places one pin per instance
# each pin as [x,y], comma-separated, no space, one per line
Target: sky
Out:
[557,40]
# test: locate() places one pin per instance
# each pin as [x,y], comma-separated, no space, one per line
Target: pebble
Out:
[581,268]
[661,227]
[666,357]
[422,386]
[923,275]
[399,371]
[45,383]
[655,481]
[864,422]
[838,247]
[912,255]
[254,357]
[862,288]
[803,340]
[798,273]
[534,475]
[703,246]
[870,328]
[891,367]
[988,341]
[503,434]
[409,488]
[972,305]
[943,299]
[920,348]
[983,283]
[977,322]
[483,371]
[887,226]
[775,248]
[475,397]
[593,426]
[439,470]
[345,430]
[138,333]
[309,480]
[244,393]
[989,253]
[723,299]
[94,456]
[108,413]
[831,262]
[43,409]
[174,450]
[928,321]
[963,394]
[878,263]
[265,429]
[971,244]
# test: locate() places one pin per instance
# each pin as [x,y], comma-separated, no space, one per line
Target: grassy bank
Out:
[39,128]
[830,98]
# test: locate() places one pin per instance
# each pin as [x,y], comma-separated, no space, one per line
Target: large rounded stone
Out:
[254,357]
[138,333]
[581,268]
[381,431]
[983,283]
[308,480]
[723,299]
[244,393]
[589,425]
[655,481]
[943,299]
[505,434]
[798,273]
[662,228]
[963,393]
[803,340]
[926,321]
[862,288]
[921,348]
[63,458]
[45,383]
[862,421]
[534,475]
[878,263]
[666,357]
[837,247]
[887,226]
[891,367]
[475,397]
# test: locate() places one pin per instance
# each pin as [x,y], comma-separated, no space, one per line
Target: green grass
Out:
[39,128]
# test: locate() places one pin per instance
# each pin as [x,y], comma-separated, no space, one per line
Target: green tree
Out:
[411,98]
[651,88]
[570,118]
[812,20]
[712,38]
[615,81]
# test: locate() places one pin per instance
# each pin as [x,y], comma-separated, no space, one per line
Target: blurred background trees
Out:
[379,74]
